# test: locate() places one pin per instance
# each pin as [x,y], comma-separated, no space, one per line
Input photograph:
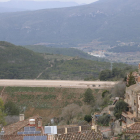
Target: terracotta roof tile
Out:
[13,128]
[133,128]
[135,87]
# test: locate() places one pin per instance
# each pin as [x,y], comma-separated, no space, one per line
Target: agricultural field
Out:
[47,102]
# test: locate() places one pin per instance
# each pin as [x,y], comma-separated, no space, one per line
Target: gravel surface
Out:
[57,83]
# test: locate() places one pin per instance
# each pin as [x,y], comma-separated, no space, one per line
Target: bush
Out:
[70,112]
[11,108]
[104,120]
[104,93]
[87,118]
[105,101]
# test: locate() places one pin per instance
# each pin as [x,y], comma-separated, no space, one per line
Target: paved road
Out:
[57,83]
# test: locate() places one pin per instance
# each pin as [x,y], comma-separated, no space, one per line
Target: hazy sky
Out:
[78,1]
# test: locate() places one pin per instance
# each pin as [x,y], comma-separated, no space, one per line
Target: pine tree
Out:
[130,80]
[88,96]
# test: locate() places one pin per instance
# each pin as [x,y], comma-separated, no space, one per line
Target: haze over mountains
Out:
[106,21]
[27,5]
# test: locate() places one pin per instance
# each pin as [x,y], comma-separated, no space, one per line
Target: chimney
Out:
[96,128]
[21,117]
[39,122]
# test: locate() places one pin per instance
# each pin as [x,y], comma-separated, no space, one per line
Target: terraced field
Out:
[48,102]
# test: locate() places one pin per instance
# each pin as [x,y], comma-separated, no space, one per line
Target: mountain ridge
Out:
[106,21]
[15,6]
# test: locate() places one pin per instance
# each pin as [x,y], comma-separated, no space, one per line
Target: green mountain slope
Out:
[80,69]
[62,51]
[17,62]
[107,21]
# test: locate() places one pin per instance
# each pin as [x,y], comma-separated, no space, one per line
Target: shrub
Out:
[104,120]
[11,108]
[87,118]
[104,93]
[119,108]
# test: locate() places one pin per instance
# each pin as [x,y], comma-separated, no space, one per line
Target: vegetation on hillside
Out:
[52,102]
[119,90]
[104,120]
[88,96]
[17,62]
[115,74]
[119,108]
[2,114]
[78,69]
[130,79]
[87,118]
[123,49]
[11,109]
[63,51]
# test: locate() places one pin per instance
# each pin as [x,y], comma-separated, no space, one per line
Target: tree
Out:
[115,72]
[88,96]
[119,90]
[69,112]
[87,118]
[105,75]
[11,108]
[131,80]
[119,108]
[2,114]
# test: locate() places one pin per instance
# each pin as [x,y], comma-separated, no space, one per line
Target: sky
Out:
[77,1]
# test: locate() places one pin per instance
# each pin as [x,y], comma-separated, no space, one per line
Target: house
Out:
[26,129]
[132,97]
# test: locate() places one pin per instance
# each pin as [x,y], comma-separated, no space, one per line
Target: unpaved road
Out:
[57,83]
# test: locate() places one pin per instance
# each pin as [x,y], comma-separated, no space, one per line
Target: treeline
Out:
[123,49]
[63,51]
[115,74]
[79,69]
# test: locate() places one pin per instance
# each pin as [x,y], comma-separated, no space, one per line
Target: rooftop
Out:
[128,114]
[133,128]
[135,87]
[13,128]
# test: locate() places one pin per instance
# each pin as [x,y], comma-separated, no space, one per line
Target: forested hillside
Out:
[17,62]
[62,51]
[125,49]
[82,69]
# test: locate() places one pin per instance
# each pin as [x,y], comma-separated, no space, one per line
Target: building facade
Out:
[132,97]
